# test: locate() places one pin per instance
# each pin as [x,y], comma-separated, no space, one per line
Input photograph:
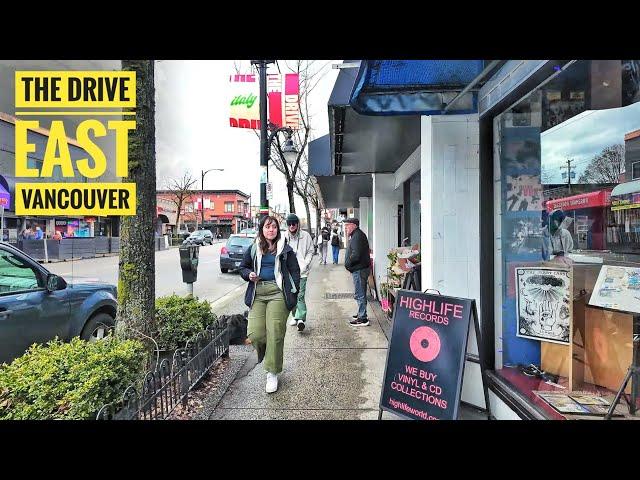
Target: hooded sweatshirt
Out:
[302,244]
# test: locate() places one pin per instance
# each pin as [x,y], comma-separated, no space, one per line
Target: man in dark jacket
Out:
[357,261]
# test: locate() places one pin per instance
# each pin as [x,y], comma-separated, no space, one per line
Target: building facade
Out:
[224,212]
[477,184]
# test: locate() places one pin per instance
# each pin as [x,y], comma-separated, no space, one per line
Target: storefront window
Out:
[564,159]
[414,209]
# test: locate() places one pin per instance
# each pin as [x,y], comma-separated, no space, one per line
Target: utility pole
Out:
[264,145]
[569,173]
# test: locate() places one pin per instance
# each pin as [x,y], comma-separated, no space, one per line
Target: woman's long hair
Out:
[263,243]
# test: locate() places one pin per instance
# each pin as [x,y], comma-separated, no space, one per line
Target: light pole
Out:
[265,143]
[202,192]
[264,148]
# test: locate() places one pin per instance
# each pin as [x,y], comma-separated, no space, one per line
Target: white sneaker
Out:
[293,322]
[300,325]
[272,382]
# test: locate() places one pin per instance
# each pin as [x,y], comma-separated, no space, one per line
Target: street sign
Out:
[426,356]
[269,191]
[263,174]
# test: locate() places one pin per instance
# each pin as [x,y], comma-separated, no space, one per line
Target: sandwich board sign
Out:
[426,356]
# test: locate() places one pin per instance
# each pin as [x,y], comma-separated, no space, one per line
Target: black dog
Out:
[237,325]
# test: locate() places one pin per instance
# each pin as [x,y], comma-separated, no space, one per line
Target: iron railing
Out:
[160,392]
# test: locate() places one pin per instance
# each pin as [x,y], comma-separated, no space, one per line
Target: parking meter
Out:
[189,264]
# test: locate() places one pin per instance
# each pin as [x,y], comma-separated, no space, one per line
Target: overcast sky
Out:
[583,137]
[193,132]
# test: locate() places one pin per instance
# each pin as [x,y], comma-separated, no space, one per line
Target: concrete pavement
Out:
[332,371]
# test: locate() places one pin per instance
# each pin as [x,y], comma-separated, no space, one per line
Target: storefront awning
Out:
[409,87]
[344,191]
[625,188]
[601,198]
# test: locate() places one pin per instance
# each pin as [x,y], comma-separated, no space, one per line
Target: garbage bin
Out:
[189,262]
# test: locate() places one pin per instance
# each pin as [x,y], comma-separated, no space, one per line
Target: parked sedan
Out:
[232,253]
[199,237]
[36,306]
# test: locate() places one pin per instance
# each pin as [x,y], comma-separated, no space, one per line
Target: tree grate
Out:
[335,296]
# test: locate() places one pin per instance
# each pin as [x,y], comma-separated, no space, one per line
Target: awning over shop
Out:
[409,87]
[625,188]
[344,191]
[601,198]
[320,157]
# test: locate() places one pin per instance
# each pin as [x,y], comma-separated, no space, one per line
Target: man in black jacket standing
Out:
[357,262]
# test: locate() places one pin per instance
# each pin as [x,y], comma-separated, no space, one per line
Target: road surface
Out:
[211,283]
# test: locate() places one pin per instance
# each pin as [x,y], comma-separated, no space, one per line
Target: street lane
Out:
[211,283]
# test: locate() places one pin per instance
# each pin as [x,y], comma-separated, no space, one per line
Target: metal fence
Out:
[160,392]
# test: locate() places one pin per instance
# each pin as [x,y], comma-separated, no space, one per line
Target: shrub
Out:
[180,318]
[70,381]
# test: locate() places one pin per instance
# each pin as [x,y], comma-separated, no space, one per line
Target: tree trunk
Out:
[136,282]
[292,206]
[318,221]
[306,207]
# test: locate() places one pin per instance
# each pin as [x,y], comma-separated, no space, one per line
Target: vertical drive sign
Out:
[283,92]
[426,356]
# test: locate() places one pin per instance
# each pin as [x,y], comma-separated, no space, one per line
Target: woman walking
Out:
[335,245]
[271,268]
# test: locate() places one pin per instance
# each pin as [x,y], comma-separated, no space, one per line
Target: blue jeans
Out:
[336,251]
[360,283]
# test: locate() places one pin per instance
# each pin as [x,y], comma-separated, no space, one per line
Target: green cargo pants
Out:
[301,307]
[268,324]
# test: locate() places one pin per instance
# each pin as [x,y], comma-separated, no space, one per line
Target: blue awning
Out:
[410,87]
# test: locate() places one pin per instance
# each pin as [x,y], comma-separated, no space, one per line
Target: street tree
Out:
[306,188]
[606,167]
[180,189]
[136,281]
[310,73]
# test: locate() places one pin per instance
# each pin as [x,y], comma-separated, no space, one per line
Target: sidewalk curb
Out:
[229,376]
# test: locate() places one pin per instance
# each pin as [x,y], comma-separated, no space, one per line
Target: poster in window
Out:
[524,193]
[543,304]
[522,234]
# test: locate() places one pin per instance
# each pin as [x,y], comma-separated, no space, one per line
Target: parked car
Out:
[249,231]
[231,254]
[36,305]
[199,237]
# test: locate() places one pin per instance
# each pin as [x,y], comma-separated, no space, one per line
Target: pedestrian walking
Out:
[271,268]
[302,244]
[335,245]
[357,262]
[325,236]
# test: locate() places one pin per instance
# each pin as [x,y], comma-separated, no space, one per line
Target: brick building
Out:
[225,211]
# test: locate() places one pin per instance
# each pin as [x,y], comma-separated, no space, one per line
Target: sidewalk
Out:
[332,371]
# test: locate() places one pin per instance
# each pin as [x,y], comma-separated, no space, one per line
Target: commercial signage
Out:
[5,198]
[425,360]
[626,201]
[282,98]
[269,191]
[601,198]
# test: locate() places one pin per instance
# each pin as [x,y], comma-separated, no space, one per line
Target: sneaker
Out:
[301,325]
[293,322]
[272,382]
[355,316]
[360,322]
